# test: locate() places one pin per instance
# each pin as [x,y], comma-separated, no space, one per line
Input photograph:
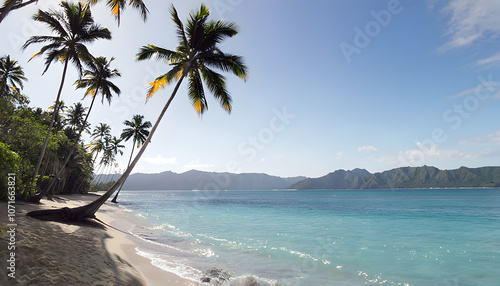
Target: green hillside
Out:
[405,177]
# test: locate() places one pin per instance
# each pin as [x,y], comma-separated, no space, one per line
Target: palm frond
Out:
[141,6]
[216,83]
[179,26]
[159,83]
[147,52]
[196,92]
[225,62]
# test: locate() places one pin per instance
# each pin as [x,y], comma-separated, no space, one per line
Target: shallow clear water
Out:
[376,237]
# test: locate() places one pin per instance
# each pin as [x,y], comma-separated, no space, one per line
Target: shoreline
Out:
[103,252]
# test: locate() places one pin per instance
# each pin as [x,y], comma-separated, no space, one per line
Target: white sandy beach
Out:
[53,253]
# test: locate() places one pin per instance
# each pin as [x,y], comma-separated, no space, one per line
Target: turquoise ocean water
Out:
[376,237]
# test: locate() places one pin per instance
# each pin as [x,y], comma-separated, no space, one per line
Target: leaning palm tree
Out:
[137,131]
[73,27]
[194,58]
[117,7]
[96,80]
[11,76]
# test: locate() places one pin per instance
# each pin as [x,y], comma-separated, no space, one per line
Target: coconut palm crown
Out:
[11,76]
[97,79]
[73,27]
[117,7]
[196,56]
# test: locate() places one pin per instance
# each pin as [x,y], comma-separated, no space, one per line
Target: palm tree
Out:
[61,108]
[100,131]
[97,80]
[10,5]
[75,117]
[138,131]
[11,76]
[196,54]
[97,146]
[73,28]
[113,148]
[117,6]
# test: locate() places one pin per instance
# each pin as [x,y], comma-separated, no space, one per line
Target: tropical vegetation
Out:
[197,58]
[46,147]
[72,28]
[138,131]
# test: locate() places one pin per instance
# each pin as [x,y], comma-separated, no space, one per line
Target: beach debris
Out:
[216,276]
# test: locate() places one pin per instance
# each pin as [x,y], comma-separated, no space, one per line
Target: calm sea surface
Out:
[382,237]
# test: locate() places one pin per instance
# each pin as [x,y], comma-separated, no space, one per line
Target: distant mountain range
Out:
[199,180]
[404,178]
[399,178]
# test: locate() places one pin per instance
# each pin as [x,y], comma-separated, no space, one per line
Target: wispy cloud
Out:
[160,160]
[490,87]
[493,60]
[465,92]
[490,139]
[368,148]
[423,153]
[471,20]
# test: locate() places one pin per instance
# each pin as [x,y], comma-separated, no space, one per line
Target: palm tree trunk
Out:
[130,159]
[68,157]
[88,211]
[11,6]
[6,10]
[56,110]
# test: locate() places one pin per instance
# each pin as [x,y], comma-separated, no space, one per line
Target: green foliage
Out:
[406,177]
[101,187]
[14,166]
[22,132]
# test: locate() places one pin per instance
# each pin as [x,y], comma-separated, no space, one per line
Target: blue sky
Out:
[332,85]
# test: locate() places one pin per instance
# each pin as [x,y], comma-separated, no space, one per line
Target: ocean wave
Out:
[207,252]
[216,276]
[151,240]
[184,271]
[171,229]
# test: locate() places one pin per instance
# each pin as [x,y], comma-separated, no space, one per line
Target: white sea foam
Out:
[171,229]
[157,243]
[207,252]
[177,268]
